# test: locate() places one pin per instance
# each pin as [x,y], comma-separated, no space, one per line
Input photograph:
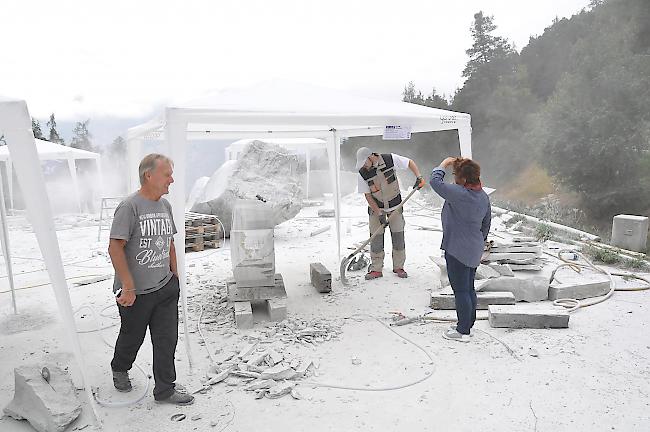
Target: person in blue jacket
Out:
[466,218]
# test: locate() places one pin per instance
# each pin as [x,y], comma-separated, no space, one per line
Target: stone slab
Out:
[518,248]
[525,267]
[243,314]
[503,269]
[446,301]
[277,309]
[496,256]
[578,290]
[49,406]
[237,294]
[524,289]
[527,316]
[321,278]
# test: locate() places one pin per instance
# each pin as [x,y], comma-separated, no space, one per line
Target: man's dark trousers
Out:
[159,311]
[461,278]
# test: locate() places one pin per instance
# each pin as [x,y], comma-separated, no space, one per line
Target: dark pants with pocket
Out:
[158,311]
[461,278]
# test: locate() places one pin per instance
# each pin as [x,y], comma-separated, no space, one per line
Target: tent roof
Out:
[51,151]
[286,109]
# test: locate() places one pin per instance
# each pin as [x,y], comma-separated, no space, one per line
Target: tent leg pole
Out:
[6,249]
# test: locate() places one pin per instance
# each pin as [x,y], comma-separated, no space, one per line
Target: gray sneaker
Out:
[178,398]
[452,334]
[122,382]
[471,331]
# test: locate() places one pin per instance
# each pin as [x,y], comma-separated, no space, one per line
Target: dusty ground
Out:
[593,376]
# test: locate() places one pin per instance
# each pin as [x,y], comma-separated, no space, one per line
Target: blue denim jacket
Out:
[466,218]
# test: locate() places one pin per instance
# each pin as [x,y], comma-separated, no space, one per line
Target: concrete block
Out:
[527,316]
[486,272]
[580,290]
[630,232]
[529,289]
[277,309]
[47,406]
[503,269]
[237,293]
[446,301]
[321,278]
[243,315]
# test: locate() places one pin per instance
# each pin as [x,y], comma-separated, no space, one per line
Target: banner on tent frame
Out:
[396,132]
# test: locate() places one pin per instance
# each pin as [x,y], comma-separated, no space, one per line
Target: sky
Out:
[86,59]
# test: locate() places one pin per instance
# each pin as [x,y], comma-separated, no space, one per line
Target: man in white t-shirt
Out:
[378,182]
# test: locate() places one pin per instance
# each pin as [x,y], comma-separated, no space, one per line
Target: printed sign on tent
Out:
[396,132]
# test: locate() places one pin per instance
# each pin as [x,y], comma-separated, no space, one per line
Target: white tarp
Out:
[16,130]
[281,109]
[51,151]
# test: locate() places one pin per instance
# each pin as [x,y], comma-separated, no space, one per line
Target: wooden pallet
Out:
[202,231]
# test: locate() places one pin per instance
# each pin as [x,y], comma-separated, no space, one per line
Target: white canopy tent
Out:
[280,109]
[297,145]
[51,151]
[16,131]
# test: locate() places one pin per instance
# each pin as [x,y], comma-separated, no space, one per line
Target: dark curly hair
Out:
[469,170]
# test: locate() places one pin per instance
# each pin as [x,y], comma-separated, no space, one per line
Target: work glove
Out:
[383,219]
[419,183]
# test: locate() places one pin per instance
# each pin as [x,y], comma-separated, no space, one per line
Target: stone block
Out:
[441,264]
[47,406]
[630,232]
[527,316]
[326,213]
[321,278]
[486,272]
[237,293]
[579,290]
[529,289]
[446,301]
[503,269]
[277,309]
[243,314]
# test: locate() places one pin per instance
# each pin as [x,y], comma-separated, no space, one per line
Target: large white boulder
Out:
[263,170]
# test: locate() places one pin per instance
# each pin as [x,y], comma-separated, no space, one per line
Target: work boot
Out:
[373,275]
[401,273]
[178,398]
[121,381]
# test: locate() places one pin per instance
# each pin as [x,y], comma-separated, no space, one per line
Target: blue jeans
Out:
[461,278]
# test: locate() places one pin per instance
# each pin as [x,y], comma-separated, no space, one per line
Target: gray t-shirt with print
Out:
[148,228]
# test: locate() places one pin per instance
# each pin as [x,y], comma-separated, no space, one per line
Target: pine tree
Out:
[36,128]
[486,46]
[53,134]
[81,138]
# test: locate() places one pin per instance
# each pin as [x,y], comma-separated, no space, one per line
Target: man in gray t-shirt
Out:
[146,280]
[148,228]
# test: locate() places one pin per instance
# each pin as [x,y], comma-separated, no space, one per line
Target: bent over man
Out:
[378,182]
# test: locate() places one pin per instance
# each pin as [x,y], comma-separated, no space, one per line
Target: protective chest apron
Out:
[382,182]
[384,189]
